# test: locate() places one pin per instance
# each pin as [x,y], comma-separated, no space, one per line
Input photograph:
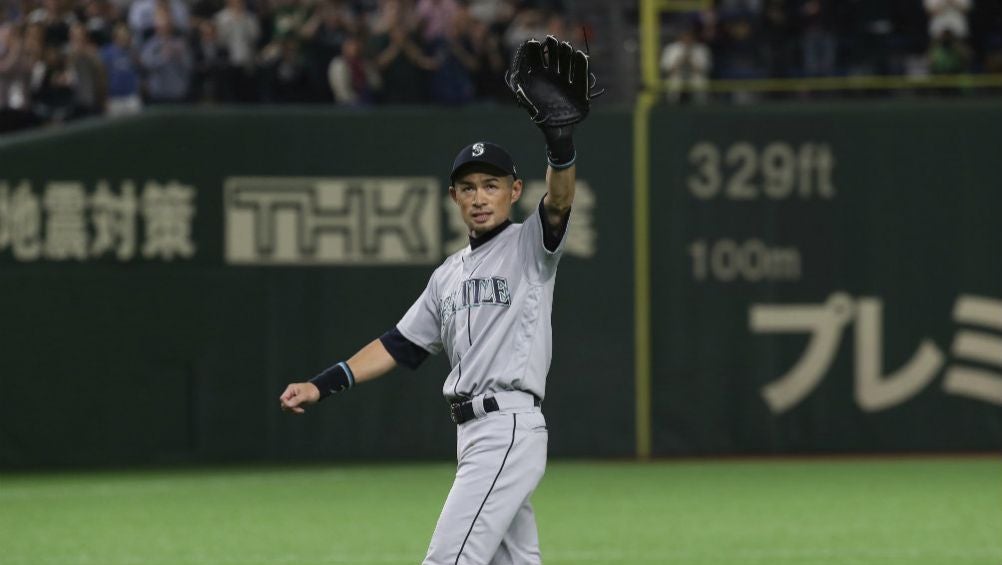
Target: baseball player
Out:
[488,307]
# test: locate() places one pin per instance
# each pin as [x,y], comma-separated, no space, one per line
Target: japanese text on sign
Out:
[976,372]
[68,223]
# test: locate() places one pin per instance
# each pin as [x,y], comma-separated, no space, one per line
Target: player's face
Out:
[485,199]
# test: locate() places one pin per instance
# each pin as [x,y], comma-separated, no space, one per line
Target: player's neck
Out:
[476,240]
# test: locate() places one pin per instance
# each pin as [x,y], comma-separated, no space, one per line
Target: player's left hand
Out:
[552,81]
[298,394]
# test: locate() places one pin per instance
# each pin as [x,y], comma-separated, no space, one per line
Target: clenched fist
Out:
[297,395]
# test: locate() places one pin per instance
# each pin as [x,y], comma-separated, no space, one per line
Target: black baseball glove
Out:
[552,81]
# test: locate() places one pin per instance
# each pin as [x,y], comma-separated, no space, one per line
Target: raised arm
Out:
[559,194]
[553,82]
[372,361]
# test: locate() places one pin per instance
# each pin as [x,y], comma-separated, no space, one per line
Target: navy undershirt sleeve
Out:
[552,235]
[404,351]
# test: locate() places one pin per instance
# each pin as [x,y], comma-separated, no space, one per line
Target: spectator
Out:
[949,55]
[213,79]
[285,72]
[280,21]
[143,15]
[489,75]
[286,17]
[52,86]
[323,36]
[353,78]
[737,49]
[238,31]
[167,61]
[452,79]
[489,11]
[87,74]
[504,16]
[818,41]
[122,68]
[100,16]
[16,62]
[525,25]
[55,17]
[403,65]
[686,63]
[435,18]
[948,16]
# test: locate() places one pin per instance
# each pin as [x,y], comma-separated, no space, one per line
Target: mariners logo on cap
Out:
[478,149]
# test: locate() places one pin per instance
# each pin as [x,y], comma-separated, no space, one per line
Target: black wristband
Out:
[334,379]
[559,146]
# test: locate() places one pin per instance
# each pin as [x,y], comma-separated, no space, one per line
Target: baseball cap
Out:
[484,153]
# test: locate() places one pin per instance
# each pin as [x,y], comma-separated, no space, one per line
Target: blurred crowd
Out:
[65,59]
[817,38]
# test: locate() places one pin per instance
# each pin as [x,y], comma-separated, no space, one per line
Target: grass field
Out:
[856,511]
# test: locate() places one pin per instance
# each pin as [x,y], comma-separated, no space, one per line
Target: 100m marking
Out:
[727,260]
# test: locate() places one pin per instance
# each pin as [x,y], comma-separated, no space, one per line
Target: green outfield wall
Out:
[827,278]
[824,278]
[165,276]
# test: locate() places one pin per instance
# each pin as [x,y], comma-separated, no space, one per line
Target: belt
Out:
[464,410]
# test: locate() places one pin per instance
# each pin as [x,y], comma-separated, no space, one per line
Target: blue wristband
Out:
[334,379]
[560,164]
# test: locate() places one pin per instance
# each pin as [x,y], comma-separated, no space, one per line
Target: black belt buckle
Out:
[462,410]
[456,410]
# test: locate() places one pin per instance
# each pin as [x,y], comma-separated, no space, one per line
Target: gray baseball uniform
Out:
[488,306]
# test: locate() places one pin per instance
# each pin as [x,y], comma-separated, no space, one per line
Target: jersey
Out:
[488,307]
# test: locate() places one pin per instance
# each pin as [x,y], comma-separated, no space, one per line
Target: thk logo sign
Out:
[332,221]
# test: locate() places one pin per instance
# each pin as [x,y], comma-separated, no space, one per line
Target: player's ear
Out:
[452,194]
[516,190]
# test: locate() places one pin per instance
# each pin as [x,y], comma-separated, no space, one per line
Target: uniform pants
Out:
[488,519]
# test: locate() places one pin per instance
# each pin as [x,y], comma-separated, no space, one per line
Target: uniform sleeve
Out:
[404,351]
[421,325]
[541,245]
